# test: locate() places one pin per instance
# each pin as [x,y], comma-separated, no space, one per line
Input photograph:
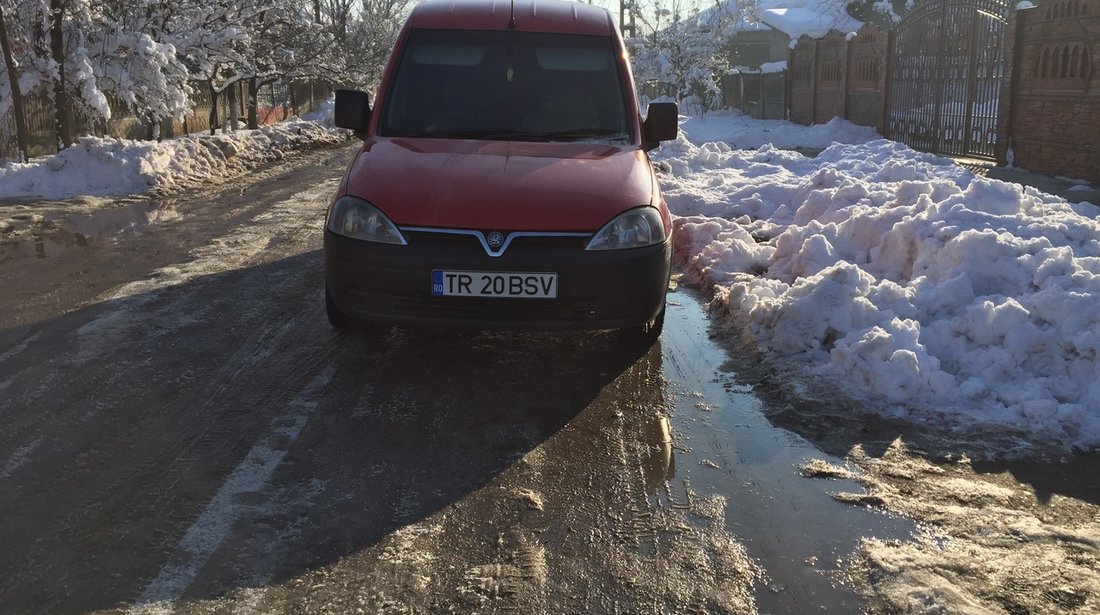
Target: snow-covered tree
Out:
[11,98]
[148,57]
[371,34]
[134,63]
[49,46]
[290,44]
[883,14]
[685,46]
[80,52]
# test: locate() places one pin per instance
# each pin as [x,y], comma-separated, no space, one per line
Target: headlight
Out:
[358,219]
[636,228]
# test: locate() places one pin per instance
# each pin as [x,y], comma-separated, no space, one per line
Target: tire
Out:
[644,335]
[336,318]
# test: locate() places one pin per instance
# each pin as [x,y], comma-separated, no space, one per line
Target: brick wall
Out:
[801,72]
[836,77]
[1050,103]
[867,77]
[830,84]
[1055,111]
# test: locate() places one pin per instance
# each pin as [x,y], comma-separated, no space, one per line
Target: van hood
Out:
[501,185]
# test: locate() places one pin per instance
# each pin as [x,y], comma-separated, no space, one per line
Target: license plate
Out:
[494,284]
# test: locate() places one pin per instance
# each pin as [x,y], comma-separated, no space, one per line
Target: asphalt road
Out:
[183,432]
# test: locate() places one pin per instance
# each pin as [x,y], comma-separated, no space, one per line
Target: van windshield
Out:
[523,86]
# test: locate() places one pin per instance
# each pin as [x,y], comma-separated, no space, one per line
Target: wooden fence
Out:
[759,95]
[275,102]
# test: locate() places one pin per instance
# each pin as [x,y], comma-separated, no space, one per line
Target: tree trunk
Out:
[213,108]
[253,94]
[234,109]
[16,94]
[63,107]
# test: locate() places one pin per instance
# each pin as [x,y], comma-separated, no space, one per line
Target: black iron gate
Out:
[946,71]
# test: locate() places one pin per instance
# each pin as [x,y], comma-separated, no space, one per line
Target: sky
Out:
[894,276]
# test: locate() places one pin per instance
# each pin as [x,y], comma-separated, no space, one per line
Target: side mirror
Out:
[661,124]
[352,111]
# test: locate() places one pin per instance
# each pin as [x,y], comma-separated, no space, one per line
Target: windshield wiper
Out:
[497,135]
[470,134]
[581,135]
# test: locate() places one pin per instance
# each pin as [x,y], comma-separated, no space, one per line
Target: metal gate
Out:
[946,73]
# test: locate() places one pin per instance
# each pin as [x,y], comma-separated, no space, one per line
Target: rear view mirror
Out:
[352,111]
[661,124]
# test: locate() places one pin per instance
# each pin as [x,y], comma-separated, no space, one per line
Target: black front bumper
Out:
[596,290]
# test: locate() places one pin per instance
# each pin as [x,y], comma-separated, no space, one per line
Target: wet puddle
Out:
[724,445]
[46,229]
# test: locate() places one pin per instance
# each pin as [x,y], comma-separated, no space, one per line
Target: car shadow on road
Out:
[416,420]
[127,419]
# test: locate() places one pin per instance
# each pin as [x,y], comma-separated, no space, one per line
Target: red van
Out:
[503,181]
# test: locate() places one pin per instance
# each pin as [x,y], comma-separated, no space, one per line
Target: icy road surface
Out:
[183,432]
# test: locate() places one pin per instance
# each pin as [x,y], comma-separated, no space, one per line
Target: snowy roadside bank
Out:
[109,185]
[106,167]
[899,278]
[959,304]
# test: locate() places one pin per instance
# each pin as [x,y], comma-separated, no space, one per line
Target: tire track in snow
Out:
[213,526]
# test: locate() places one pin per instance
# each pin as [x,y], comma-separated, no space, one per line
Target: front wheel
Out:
[336,318]
[645,334]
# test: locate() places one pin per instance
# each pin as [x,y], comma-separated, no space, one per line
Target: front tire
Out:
[645,335]
[336,318]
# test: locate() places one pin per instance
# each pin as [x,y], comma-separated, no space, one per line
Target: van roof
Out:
[531,16]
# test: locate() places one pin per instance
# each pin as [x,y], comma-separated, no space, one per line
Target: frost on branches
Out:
[685,54]
[82,52]
[689,55]
[89,58]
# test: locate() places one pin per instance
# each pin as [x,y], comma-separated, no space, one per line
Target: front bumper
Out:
[596,290]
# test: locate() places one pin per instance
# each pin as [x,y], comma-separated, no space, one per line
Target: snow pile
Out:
[744,132]
[323,115]
[902,278]
[111,167]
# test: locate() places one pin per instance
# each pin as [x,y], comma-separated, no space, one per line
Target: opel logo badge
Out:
[495,240]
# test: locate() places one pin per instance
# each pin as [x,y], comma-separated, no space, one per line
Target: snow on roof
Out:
[792,17]
[730,21]
[812,18]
